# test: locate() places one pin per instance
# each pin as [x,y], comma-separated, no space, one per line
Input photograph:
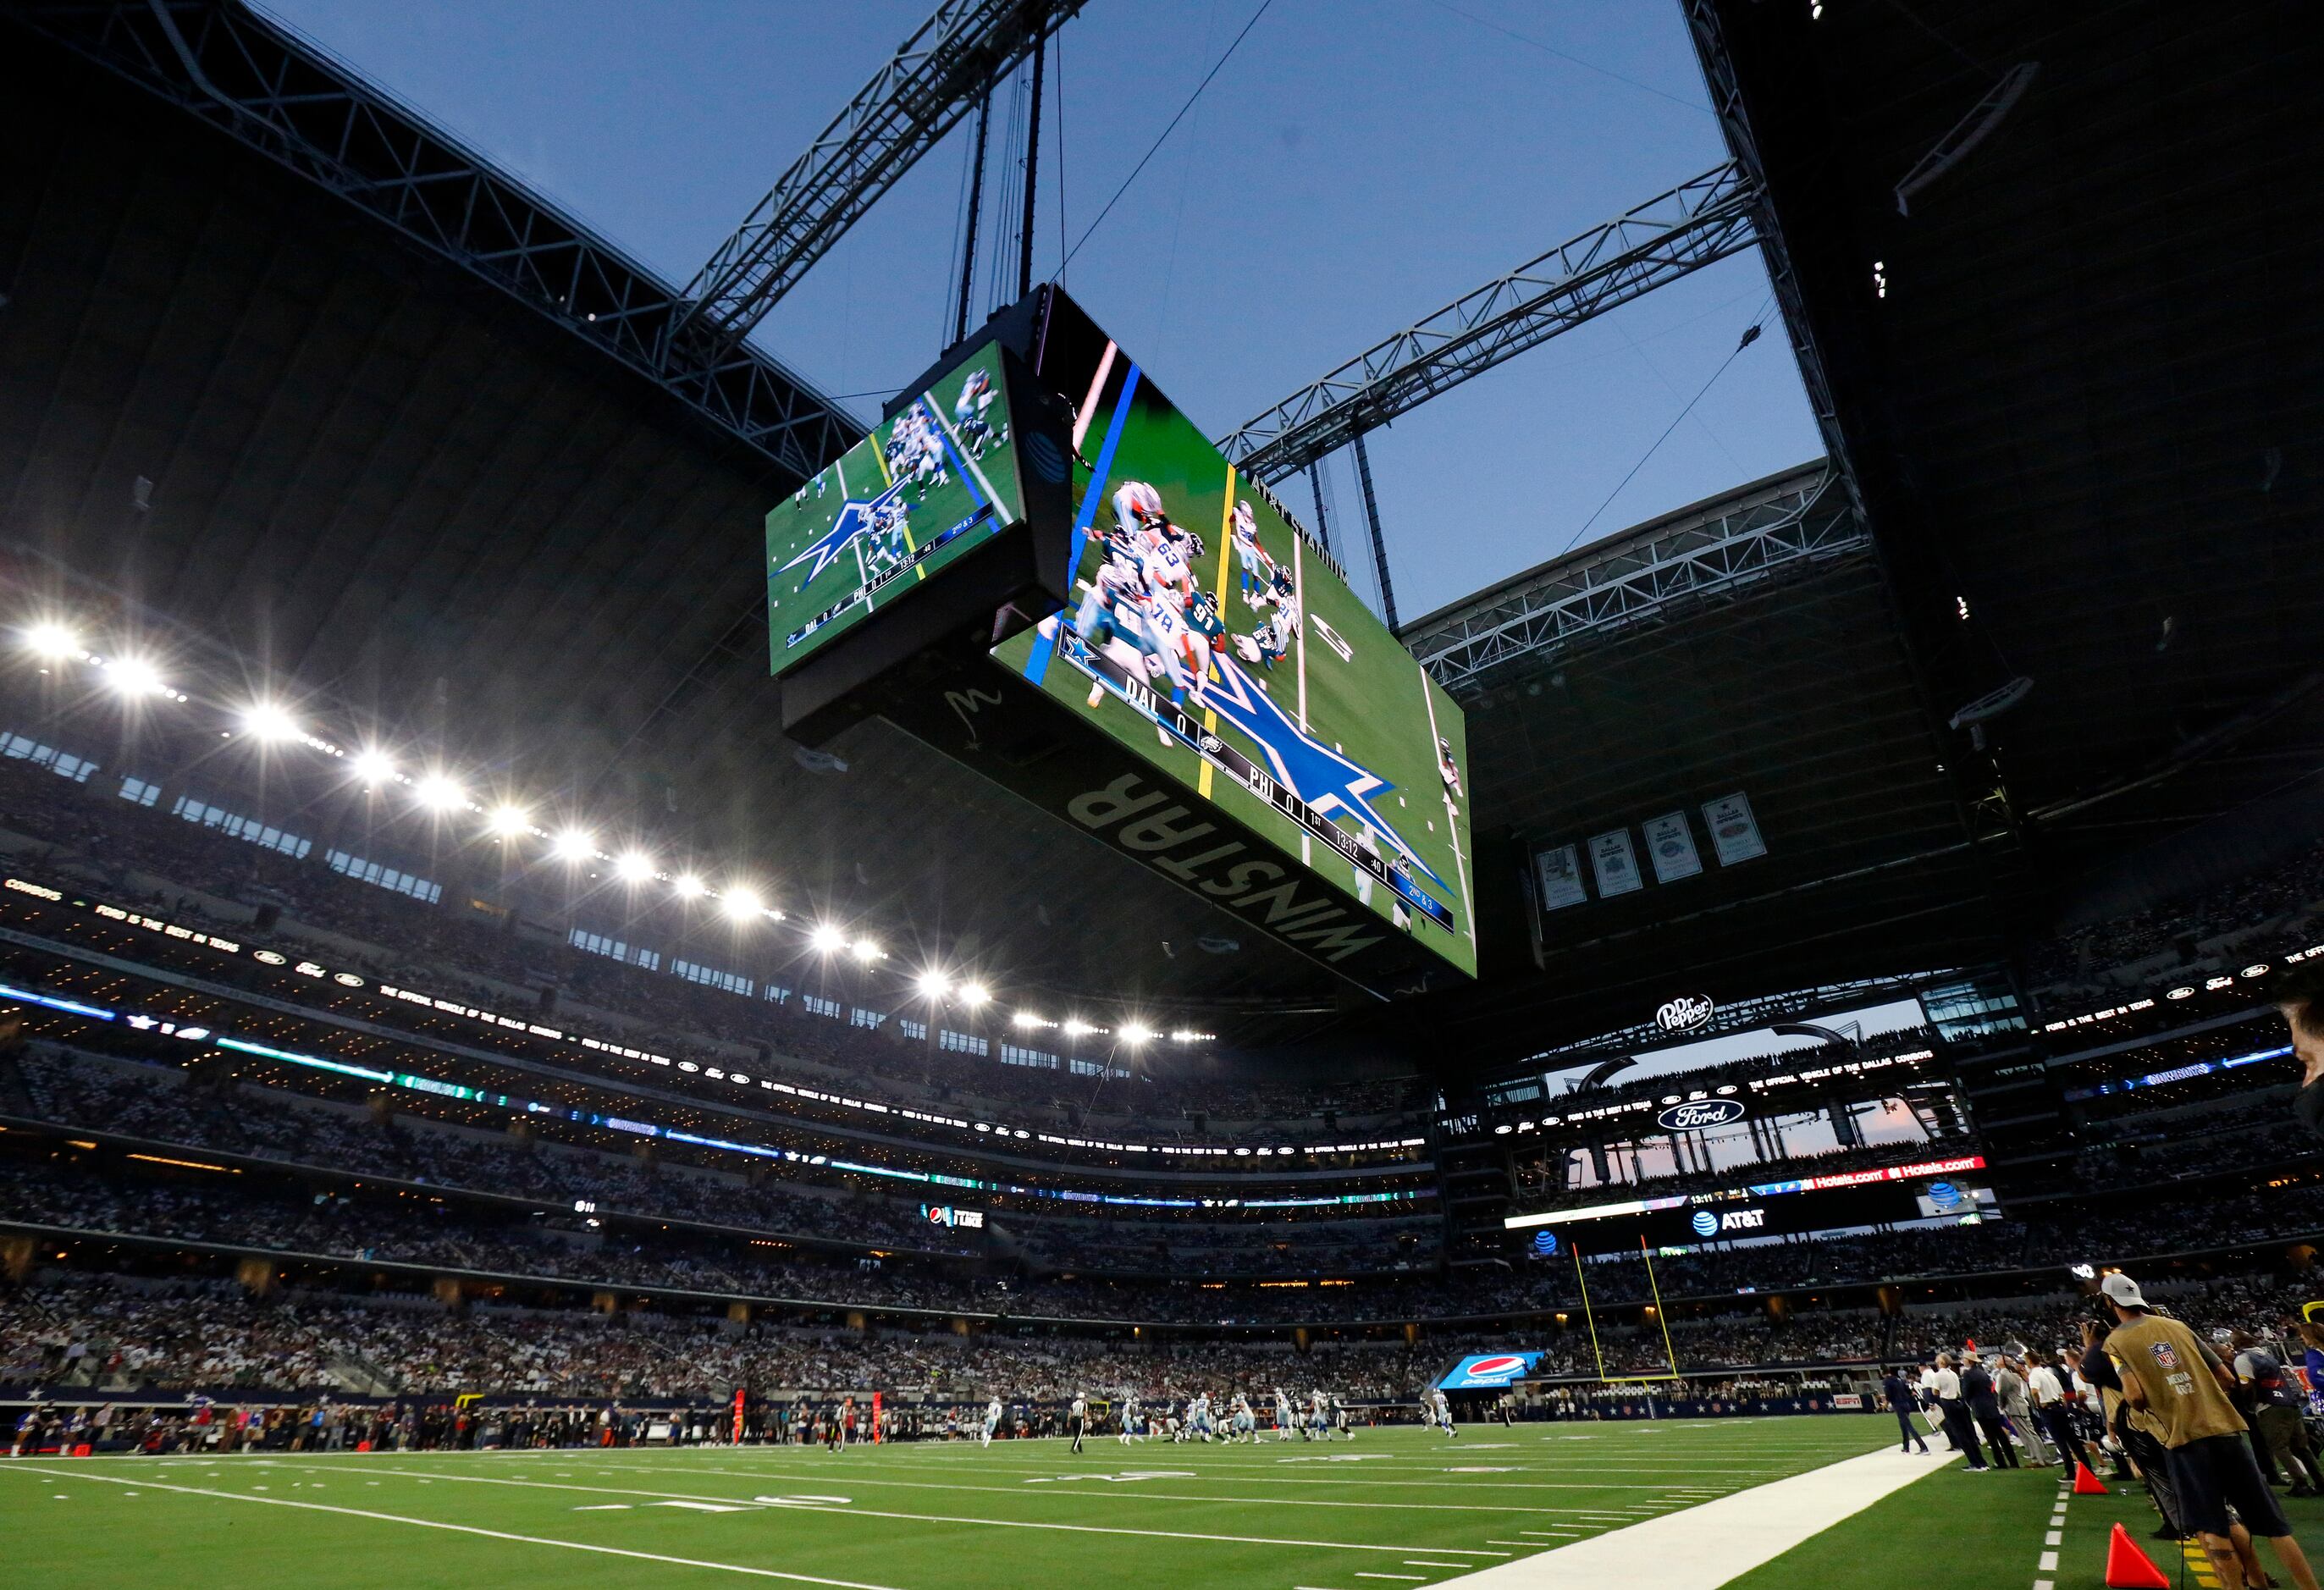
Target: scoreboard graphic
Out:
[924,489]
[1208,634]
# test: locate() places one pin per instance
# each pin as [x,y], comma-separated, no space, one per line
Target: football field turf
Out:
[1392,1508]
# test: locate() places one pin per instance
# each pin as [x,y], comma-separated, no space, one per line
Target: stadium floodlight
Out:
[1078,1028]
[437,792]
[509,821]
[933,983]
[134,677]
[1137,1031]
[690,886]
[574,845]
[865,951]
[633,866]
[373,765]
[268,723]
[741,904]
[974,994]
[827,938]
[1028,1021]
[54,641]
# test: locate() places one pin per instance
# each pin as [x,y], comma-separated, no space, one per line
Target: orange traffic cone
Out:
[2128,1567]
[2086,1484]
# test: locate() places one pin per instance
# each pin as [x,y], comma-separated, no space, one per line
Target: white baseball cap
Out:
[2122,1290]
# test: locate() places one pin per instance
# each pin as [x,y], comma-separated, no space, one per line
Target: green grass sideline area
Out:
[1392,1508]
[1956,1530]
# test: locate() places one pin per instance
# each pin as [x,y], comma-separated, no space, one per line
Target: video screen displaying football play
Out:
[929,486]
[1210,636]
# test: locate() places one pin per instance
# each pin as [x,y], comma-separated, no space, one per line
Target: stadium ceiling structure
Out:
[296,378]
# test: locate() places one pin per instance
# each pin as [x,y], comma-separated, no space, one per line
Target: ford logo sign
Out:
[1684,1013]
[1705,1223]
[1701,1116]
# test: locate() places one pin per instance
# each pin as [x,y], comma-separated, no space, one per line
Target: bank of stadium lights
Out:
[438,793]
[133,677]
[374,767]
[1138,1032]
[270,723]
[53,642]
[932,983]
[136,678]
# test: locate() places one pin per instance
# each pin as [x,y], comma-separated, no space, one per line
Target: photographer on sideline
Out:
[2167,1371]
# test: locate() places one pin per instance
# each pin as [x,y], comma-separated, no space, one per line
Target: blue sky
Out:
[1357,164]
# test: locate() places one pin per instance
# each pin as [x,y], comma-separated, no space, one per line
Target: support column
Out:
[1380,546]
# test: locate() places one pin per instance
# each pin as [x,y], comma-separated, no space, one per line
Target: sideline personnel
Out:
[1901,1402]
[2167,1369]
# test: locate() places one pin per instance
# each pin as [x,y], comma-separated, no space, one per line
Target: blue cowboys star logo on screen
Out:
[855,519]
[1323,777]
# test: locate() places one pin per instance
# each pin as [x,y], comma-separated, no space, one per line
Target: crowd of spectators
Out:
[2086,961]
[78,1090]
[148,857]
[85,1331]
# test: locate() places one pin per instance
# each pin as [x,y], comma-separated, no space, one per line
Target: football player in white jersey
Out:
[1245,1424]
[1282,1419]
[991,1421]
[1255,567]
[1444,1411]
[1133,1422]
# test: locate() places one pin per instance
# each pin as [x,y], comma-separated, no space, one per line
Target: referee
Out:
[1079,1412]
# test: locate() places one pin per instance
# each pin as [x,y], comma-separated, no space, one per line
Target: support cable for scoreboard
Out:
[1587,1316]
[1215,68]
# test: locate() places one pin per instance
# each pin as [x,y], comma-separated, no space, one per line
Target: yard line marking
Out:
[1408,1578]
[1418,1562]
[2054,1538]
[2049,1563]
[864,1479]
[604,1507]
[430,1523]
[994,1523]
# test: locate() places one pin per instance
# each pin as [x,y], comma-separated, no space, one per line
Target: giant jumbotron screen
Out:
[1207,634]
[928,486]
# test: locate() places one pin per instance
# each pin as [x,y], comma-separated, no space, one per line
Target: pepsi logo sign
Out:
[1684,1013]
[1506,1366]
[1701,1115]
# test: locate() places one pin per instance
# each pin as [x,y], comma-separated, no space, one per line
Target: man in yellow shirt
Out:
[2170,1375]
